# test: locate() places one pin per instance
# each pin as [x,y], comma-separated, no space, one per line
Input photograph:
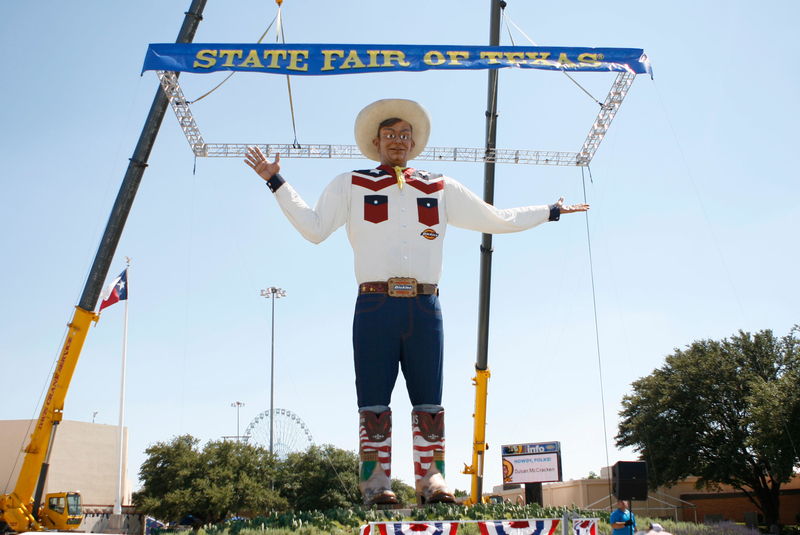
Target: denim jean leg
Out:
[423,351]
[376,348]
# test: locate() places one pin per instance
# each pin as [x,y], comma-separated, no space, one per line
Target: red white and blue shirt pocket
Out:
[376,208]
[428,211]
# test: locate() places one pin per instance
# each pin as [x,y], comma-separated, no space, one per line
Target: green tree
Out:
[167,477]
[724,411]
[323,477]
[236,477]
[224,478]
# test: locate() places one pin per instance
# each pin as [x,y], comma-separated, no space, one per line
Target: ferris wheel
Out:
[290,432]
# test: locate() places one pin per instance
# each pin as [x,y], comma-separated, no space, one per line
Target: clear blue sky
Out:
[693,223]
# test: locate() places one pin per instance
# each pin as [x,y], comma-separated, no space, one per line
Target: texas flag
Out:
[116,291]
[518,527]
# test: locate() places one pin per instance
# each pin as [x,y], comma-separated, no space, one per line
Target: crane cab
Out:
[62,511]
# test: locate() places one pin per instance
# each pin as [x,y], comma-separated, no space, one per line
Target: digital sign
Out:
[532,463]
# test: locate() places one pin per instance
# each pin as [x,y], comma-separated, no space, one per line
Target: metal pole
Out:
[238,405]
[133,176]
[272,382]
[120,444]
[272,293]
[484,292]
[488,196]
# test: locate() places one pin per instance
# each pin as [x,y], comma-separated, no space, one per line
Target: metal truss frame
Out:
[582,158]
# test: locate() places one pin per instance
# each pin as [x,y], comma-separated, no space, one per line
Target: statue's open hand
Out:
[261,165]
[571,208]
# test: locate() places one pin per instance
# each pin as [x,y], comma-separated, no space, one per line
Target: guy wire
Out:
[596,334]
[234,72]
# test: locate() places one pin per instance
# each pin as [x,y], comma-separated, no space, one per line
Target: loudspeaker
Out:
[629,480]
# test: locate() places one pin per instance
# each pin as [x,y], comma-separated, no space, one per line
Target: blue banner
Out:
[322,59]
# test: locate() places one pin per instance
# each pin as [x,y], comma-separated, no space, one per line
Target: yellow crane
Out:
[61,510]
[23,510]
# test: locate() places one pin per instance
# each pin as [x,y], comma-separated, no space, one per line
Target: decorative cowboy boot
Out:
[375,466]
[428,431]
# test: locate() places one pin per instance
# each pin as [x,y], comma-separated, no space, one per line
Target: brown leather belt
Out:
[398,287]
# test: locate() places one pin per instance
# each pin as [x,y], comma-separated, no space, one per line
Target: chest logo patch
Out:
[429,234]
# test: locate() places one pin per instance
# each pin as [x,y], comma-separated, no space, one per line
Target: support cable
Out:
[582,89]
[278,38]
[646,434]
[596,331]
[288,82]
[703,209]
[508,28]
[234,72]
[509,21]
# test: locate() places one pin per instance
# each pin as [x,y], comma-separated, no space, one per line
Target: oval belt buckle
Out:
[402,287]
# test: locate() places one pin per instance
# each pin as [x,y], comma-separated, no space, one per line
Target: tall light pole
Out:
[274,293]
[238,405]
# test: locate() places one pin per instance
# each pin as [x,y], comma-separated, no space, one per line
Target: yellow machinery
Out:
[23,510]
[61,510]
[481,382]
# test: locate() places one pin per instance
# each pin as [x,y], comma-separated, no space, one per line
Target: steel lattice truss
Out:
[582,158]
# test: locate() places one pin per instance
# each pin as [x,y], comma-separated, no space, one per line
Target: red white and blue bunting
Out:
[584,526]
[518,527]
[410,528]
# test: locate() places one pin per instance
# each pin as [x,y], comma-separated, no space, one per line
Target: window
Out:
[56,504]
[74,504]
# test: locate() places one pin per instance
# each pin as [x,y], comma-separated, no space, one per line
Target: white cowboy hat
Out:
[413,113]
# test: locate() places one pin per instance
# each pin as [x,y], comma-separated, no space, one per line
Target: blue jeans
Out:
[398,332]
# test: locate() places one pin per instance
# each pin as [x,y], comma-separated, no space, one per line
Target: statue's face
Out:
[394,143]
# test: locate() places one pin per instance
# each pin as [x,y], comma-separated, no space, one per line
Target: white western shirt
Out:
[398,232]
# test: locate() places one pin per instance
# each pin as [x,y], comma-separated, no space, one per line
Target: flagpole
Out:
[120,478]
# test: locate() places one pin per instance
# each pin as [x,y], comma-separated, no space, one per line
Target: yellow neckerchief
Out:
[400,178]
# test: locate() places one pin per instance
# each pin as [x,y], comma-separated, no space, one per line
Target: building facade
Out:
[83,458]
[682,502]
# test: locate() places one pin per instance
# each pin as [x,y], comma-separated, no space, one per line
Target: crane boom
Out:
[481,379]
[21,509]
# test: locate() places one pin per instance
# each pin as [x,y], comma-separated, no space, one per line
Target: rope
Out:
[508,20]
[596,333]
[288,82]
[582,89]
[231,74]
[702,208]
[508,28]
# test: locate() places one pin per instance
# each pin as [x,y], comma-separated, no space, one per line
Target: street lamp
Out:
[238,405]
[273,293]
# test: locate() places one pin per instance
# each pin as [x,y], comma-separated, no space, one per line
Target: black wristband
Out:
[555,212]
[275,182]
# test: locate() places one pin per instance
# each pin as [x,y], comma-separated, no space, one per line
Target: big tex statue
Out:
[396,218]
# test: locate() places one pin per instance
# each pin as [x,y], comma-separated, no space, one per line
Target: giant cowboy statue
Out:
[396,218]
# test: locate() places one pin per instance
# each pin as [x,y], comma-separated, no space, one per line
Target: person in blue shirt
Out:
[622,520]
